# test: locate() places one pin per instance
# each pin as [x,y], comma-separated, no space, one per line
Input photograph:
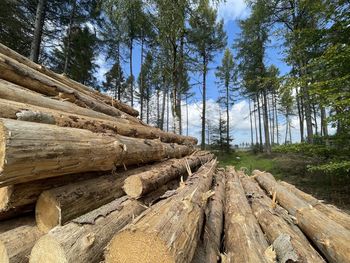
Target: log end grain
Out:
[47,249]
[47,214]
[133,186]
[3,253]
[136,246]
[2,145]
[5,193]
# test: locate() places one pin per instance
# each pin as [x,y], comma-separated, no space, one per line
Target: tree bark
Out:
[244,241]
[22,75]
[330,211]
[204,100]
[324,127]
[32,151]
[69,82]
[251,124]
[140,184]
[259,121]
[331,238]
[67,49]
[131,74]
[277,229]
[300,106]
[266,124]
[26,112]
[214,223]
[10,224]
[16,244]
[168,231]
[39,23]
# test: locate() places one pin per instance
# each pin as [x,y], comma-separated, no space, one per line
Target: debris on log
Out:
[169,230]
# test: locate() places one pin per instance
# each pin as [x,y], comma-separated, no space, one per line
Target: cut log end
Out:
[47,213]
[5,193]
[47,249]
[146,247]
[2,146]
[3,253]
[133,186]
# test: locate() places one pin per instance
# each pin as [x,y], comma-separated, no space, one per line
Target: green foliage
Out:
[337,168]
[311,150]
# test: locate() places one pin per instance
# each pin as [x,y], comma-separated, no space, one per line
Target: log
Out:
[20,198]
[84,239]
[330,211]
[244,240]
[32,151]
[26,112]
[16,244]
[277,230]
[140,184]
[20,74]
[214,222]
[69,82]
[331,238]
[168,231]
[16,222]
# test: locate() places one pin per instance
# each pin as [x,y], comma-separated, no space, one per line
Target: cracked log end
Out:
[47,249]
[47,214]
[2,146]
[5,193]
[135,247]
[133,186]
[3,253]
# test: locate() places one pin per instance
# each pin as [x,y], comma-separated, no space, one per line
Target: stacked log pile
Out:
[83,180]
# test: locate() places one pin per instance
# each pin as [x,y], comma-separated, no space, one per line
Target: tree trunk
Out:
[34,151]
[330,211]
[24,76]
[256,127]
[39,23]
[67,51]
[215,220]
[69,82]
[277,229]
[141,82]
[16,244]
[140,184]
[228,118]
[158,107]
[260,128]
[186,114]
[251,124]
[26,112]
[300,114]
[308,118]
[168,231]
[204,100]
[266,124]
[244,241]
[84,239]
[164,97]
[131,74]
[331,238]
[324,127]
[276,118]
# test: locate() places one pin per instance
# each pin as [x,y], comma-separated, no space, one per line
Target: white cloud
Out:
[233,9]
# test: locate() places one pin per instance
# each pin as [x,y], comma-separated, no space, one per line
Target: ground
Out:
[292,169]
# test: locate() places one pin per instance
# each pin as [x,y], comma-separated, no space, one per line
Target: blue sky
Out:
[230,11]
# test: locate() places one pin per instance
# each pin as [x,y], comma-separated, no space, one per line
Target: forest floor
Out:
[292,169]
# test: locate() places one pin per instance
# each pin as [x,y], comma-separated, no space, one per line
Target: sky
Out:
[230,11]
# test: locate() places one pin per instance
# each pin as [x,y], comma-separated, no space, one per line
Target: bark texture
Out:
[331,238]
[69,82]
[244,241]
[32,151]
[330,211]
[140,184]
[16,222]
[168,231]
[16,244]
[276,229]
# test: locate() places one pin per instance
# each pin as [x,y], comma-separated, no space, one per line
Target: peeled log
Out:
[16,244]
[330,211]
[244,241]
[32,151]
[26,112]
[84,239]
[69,82]
[275,227]
[168,231]
[215,220]
[22,75]
[331,238]
[140,184]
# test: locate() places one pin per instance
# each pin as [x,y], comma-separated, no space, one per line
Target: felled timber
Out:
[140,184]
[169,230]
[244,240]
[19,103]
[290,245]
[32,151]
[69,82]
[84,239]
[331,238]
[20,74]
[214,222]
[16,244]
[16,222]
[332,212]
